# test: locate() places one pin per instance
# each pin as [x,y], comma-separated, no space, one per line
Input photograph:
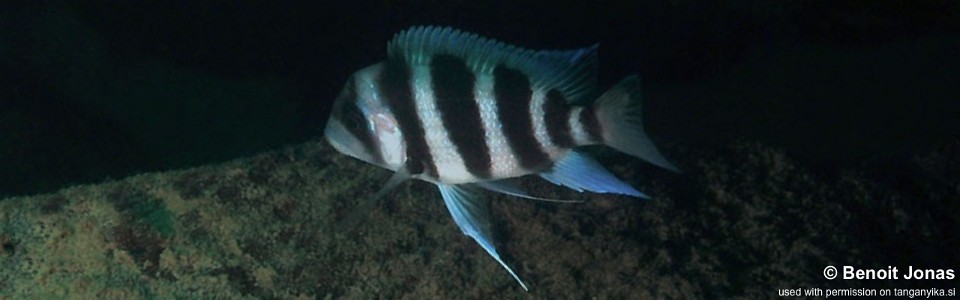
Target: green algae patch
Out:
[142,209]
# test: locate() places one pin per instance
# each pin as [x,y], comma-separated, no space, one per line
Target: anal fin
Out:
[504,187]
[579,172]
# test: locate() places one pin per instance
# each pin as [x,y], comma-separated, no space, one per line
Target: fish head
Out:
[361,124]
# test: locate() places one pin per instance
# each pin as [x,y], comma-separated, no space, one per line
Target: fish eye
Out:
[351,116]
[353,122]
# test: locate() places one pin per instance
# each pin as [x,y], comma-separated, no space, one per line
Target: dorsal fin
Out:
[572,72]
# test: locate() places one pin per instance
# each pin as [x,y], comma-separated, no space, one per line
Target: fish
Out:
[466,113]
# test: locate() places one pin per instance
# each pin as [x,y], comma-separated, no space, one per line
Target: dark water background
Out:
[95,90]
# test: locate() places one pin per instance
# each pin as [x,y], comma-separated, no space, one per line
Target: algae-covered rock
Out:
[742,221]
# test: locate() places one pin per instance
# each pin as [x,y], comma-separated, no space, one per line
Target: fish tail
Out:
[619,113]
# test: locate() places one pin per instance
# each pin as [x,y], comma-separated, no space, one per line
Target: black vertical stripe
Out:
[557,116]
[588,118]
[513,92]
[453,84]
[354,120]
[395,85]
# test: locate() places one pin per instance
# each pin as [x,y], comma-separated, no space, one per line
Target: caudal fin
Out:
[618,112]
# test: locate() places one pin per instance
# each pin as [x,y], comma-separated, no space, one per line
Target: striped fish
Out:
[463,112]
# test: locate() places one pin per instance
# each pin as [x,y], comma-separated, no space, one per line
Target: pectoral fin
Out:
[470,214]
[355,216]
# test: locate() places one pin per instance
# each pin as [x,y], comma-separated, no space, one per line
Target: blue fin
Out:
[470,214]
[505,187]
[572,72]
[581,62]
[580,172]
